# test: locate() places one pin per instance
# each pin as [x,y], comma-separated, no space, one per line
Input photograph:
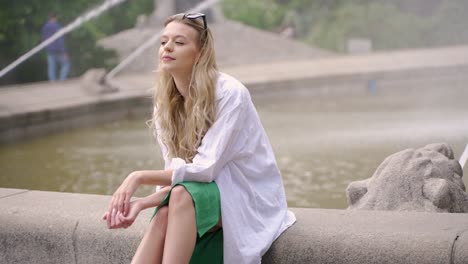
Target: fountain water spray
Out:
[464,157]
[150,42]
[76,23]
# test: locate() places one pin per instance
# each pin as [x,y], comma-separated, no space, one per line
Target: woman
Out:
[224,194]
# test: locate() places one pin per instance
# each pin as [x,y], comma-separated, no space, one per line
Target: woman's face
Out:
[179,50]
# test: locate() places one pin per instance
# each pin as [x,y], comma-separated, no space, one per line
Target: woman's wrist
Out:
[136,176]
[145,203]
[140,204]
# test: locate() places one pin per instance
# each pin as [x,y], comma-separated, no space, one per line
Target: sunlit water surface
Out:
[322,143]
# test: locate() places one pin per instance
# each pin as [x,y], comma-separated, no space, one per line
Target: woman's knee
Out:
[180,197]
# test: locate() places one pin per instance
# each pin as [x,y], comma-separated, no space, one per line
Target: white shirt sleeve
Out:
[218,144]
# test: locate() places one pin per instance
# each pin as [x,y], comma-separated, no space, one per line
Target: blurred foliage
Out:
[264,14]
[21,22]
[389,24]
[384,24]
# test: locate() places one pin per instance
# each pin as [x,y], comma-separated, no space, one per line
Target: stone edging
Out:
[50,227]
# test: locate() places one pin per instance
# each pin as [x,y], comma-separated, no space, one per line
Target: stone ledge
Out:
[342,236]
[50,227]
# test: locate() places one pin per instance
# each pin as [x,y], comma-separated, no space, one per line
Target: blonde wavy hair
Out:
[183,121]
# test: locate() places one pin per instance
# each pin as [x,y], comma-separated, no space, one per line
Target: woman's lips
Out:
[167,58]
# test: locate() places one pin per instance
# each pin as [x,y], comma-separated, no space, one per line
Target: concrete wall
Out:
[85,111]
[48,227]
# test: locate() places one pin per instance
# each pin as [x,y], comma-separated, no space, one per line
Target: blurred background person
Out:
[56,52]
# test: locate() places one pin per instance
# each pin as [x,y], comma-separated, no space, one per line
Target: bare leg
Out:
[181,229]
[151,247]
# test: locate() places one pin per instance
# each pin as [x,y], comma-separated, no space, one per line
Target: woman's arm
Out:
[154,199]
[154,177]
[120,202]
[119,220]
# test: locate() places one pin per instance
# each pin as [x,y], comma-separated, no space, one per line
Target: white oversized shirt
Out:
[236,154]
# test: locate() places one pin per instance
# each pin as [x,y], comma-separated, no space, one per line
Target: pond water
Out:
[322,143]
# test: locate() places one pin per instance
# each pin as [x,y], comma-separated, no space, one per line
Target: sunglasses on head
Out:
[193,16]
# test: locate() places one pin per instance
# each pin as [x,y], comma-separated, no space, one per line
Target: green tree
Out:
[388,24]
[21,22]
[381,23]
[264,14]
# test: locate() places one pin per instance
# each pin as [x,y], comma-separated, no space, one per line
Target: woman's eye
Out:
[179,43]
[163,43]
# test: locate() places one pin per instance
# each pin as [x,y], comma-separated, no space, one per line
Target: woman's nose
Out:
[168,46]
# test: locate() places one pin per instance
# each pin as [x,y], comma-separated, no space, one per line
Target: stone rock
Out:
[427,179]
[93,82]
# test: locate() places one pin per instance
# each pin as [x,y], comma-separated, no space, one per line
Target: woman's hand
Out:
[126,221]
[118,220]
[120,203]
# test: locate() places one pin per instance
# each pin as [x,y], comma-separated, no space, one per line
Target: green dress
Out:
[207,202]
